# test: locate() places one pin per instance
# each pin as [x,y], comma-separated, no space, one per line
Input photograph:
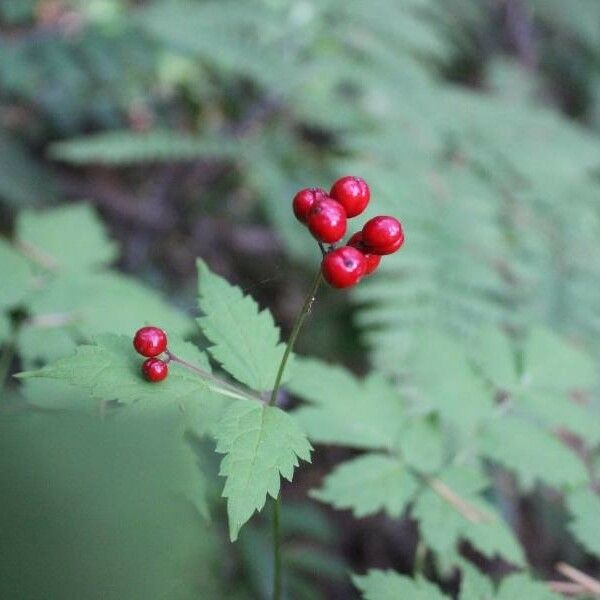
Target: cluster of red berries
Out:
[150,342]
[326,217]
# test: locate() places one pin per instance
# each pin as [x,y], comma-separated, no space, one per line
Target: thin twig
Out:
[591,585]
[304,312]
[567,588]
[468,511]
[420,558]
[36,255]
[215,383]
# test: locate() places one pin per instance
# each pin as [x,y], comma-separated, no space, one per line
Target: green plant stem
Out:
[214,383]
[304,311]
[276,528]
[277,548]
[420,557]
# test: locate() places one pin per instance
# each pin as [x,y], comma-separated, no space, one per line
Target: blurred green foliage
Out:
[189,125]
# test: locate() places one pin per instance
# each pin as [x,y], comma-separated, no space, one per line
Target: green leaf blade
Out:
[585,526]
[246,341]
[388,585]
[344,410]
[369,484]
[443,525]
[110,370]
[69,237]
[260,443]
[532,453]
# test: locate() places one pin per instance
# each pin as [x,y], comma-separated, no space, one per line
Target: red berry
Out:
[389,249]
[327,221]
[343,267]
[155,370]
[383,235]
[304,200]
[150,341]
[372,260]
[352,193]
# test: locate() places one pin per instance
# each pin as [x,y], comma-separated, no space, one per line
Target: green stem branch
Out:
[420,558]
[304,312]
[215,383]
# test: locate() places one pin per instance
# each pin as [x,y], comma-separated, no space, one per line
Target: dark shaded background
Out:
[189,137]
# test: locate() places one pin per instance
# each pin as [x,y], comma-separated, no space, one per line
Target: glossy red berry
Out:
[372,260]
[383,235]
[304,200]
[155,370]
[352,193]
[327,221]
[150,341]
[391,248]
[343,267]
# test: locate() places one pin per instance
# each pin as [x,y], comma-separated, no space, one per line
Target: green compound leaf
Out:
[585,526]
[24,181]
[467,400]
[474,585]
[17,277]
[246,341]
[110,370]
[66,238]
[388,585]
[122,148]
[261,444]
[444,522]
[107,302]
[558,412]
[422,445]
[533,454]
[522,586]
[369,484]
[494,354]
[42,345]
[345,410]
[551,363]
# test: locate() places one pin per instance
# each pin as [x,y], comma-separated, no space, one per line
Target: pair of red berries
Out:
[150,342]
[326,218]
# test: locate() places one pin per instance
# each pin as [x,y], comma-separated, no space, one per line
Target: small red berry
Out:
[304,200]
[352,193]
[388,249]
[150,341]
[343,267]
[383,235]
[372,260]
[327,221]
[155,370]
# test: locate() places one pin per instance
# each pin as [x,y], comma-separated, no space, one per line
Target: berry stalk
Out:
[308,302]
[215,383]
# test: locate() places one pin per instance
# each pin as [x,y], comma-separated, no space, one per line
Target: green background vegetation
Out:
[186,127]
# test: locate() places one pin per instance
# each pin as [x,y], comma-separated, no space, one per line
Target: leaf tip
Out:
[28,374]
